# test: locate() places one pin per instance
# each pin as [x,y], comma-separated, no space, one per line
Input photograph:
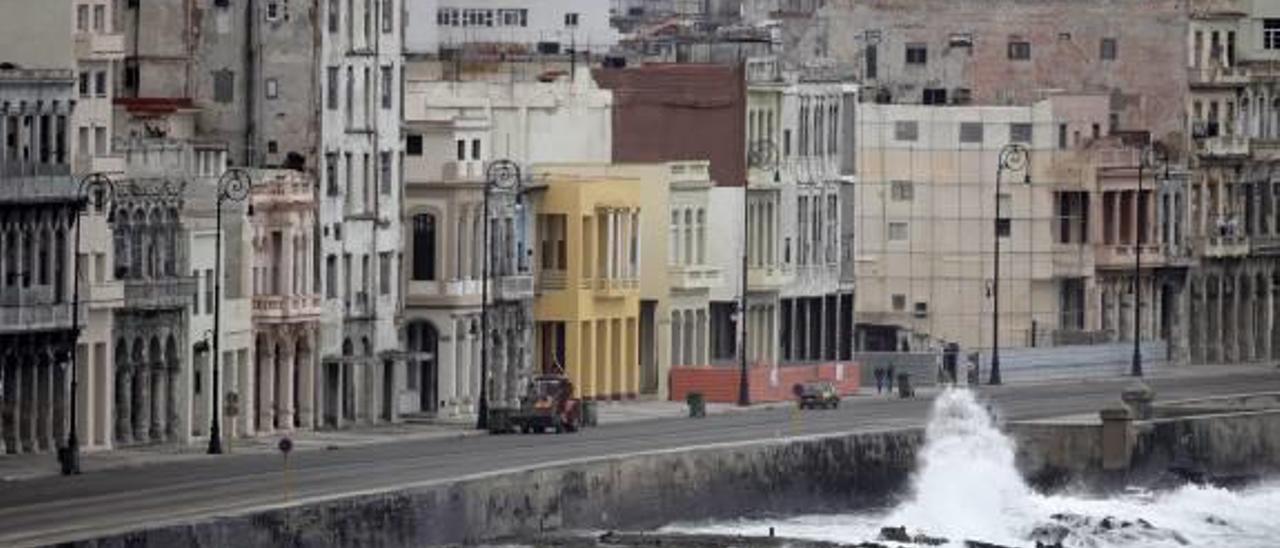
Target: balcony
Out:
[160,293]
[463,171]
[1121,256]
[92,46]
[1214,75]
[614,288]
[286,308]
[552,280]
[516,287]
[1224,146]
[1265,246]
[44,316]
[359,306]
[1221,246]
[767,278]
[1264,150]
[693,276]
[282,193]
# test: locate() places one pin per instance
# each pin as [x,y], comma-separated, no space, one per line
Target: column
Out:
[24,404]
[461,359]
[159,388]
[284,391]
[124,406]
[44,404]
[9,405]
[306,382]
[474,344]
[619,340]
[700,347]
[141,401]
[604,353]
[266,384]
[586,355]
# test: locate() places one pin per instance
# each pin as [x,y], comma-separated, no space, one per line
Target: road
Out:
[56,509]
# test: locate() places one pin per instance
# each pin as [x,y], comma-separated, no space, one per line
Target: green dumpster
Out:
[697,405]
[590,412]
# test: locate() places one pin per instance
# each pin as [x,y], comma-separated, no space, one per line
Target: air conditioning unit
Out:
[921,310]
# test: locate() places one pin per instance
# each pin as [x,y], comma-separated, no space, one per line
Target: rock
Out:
[927,540]
[982,544]
[894,534]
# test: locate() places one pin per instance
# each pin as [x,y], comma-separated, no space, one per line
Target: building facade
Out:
[507,26]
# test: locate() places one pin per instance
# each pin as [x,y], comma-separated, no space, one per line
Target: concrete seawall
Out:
[639,491]
[806,475]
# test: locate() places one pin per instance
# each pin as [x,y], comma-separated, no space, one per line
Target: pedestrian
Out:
[879,380]
[889,380]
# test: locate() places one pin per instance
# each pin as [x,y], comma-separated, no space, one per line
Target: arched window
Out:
[424,247]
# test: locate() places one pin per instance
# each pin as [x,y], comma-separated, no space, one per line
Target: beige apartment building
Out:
[926,212]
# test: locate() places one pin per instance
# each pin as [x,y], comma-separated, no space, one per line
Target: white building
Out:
[454,130]
[359,209]
[515,26]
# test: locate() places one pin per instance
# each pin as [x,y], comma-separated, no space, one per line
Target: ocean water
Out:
[967,488]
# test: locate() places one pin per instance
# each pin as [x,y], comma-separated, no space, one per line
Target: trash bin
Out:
[589,413]
[905,390]
[697,405]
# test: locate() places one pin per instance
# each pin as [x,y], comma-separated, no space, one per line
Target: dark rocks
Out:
[899,534]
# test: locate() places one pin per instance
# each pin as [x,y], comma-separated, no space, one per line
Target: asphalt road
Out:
[56,509]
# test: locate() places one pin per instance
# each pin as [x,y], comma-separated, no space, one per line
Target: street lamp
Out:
[103,192]
[233,186]
[762,155]
[1013,157]
[503,175]
[1152,156]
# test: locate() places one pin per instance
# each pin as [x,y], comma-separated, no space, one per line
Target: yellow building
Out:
[588,279]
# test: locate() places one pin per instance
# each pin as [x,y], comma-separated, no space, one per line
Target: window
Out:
[388,16]
[570,19]
[384,164]
[475,149]
[917,54]
[1097,130]
[273,11]
[1020,133]
[195,302]
[331,173]
[870,58]
[1107,49]
[897,231]
[273,147]
[100,18]
[935,96]
[331,99]
[899,302]
[208,289]
[388,83]
[100,83]
[786,143]
[100,140]
[333,16]
[1019,51]
[970,132]
[224,82]
[424,247]
[960,40]
[462,150]
[331,276]
[384,273]
[82,17]
[1271,33]
[901,191]
[84,84]
[1062,136]
[513,18]
[413,144]
[906,130]
[273,88]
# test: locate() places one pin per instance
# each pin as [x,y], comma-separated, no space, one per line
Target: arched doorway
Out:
[423,373]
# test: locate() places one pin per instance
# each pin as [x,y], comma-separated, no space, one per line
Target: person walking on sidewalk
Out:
[889,379]
[879,371]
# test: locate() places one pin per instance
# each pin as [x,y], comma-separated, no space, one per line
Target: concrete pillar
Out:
[8,401]
[160,417]
[141,401]
[1117,439]
[604,367]
[24,402]
[306,384]
[473,386]
[266,385]
[43,369]
[124,405]
[284,408]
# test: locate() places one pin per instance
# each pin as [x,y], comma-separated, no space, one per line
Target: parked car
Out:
[817,395]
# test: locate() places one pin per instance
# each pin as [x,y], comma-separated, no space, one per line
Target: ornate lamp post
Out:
[1153,156]
[1013,157]
[233,186]
[501,175]
[103,193]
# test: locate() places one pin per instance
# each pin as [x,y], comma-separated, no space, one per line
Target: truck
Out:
[548,405]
